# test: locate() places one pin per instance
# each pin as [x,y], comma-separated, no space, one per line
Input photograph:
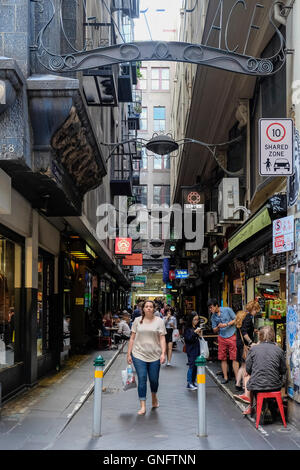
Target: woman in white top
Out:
[147,351]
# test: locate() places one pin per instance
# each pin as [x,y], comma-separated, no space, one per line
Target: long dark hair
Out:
[189,319]
[143,313]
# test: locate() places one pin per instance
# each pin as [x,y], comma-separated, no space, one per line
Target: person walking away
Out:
[222,321]
[123,329]
[191,338]
[137,311]
[245,335]
[147,351]
[265,365]
[157,312]
[170,324]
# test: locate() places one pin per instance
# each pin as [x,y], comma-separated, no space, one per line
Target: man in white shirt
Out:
[123,329]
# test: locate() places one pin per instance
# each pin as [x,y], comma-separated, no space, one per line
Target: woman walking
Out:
[191,337]
[170,324]
[147,351]
[245,335]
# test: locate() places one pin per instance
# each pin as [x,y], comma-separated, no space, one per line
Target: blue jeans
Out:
[143,369]
[191,374]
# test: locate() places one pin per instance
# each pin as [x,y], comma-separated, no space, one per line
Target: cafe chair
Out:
[259,402]
[103,341]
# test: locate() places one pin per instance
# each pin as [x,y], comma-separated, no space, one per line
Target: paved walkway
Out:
[58,415]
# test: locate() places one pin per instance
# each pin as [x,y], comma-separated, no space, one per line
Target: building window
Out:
[142,81]
[144,160]
[10,302]
[161,194]
[159,118]
[141,194]
[160,79]
[144,119]
[161,162]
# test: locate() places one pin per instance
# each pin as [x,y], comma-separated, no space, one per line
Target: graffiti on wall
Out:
[293,352]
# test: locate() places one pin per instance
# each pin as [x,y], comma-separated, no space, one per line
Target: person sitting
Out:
[107,320]
[265,365]
[123,329]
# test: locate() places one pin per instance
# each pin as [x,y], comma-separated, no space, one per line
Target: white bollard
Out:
[201,379]
[99,364]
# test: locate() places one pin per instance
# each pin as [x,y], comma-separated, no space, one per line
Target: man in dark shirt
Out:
[137,311]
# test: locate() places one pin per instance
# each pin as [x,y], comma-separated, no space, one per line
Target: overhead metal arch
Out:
[201,54]
[163,51]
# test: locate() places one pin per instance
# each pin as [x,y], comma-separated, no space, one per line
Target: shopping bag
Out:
[128,379]
[204,351]
[175,335]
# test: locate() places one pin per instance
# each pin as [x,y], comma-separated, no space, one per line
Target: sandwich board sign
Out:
[276,147]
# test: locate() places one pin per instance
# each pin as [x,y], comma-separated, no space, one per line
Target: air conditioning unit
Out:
[228,200]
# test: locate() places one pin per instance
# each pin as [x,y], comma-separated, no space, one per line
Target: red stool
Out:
[259,402]
[104,340]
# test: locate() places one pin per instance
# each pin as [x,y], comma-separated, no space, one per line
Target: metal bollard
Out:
[201,363]
[99,364]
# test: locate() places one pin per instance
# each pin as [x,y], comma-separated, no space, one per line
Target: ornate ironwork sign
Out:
[225,56]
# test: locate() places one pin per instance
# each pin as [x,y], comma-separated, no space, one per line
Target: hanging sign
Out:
[123,246]
[283,234]
[181,273]
[276,147]
[133,260]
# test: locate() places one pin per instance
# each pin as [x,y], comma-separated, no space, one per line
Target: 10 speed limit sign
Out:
[276,147]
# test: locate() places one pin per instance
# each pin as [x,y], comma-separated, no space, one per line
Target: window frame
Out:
[159,120]
[160,79]
[161,186]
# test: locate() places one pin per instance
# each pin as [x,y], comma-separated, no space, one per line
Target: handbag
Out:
[245,348]
[175,335]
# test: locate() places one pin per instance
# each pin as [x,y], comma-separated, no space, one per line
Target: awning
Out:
[260,221]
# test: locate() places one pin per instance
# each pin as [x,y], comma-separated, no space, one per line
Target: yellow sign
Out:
[260,221]
[201,379]
[79,301]
[98,374]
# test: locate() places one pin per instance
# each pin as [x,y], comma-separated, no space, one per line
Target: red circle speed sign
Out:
[276,132]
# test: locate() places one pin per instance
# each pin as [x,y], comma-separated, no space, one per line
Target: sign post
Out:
[276,147]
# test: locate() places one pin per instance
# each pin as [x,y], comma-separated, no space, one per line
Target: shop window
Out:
[10,301]
[44,302]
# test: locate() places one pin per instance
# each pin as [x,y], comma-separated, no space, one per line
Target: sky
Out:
[160,23]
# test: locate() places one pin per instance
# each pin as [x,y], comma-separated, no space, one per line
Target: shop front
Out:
[12,332]
[45,316]
[266,282]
